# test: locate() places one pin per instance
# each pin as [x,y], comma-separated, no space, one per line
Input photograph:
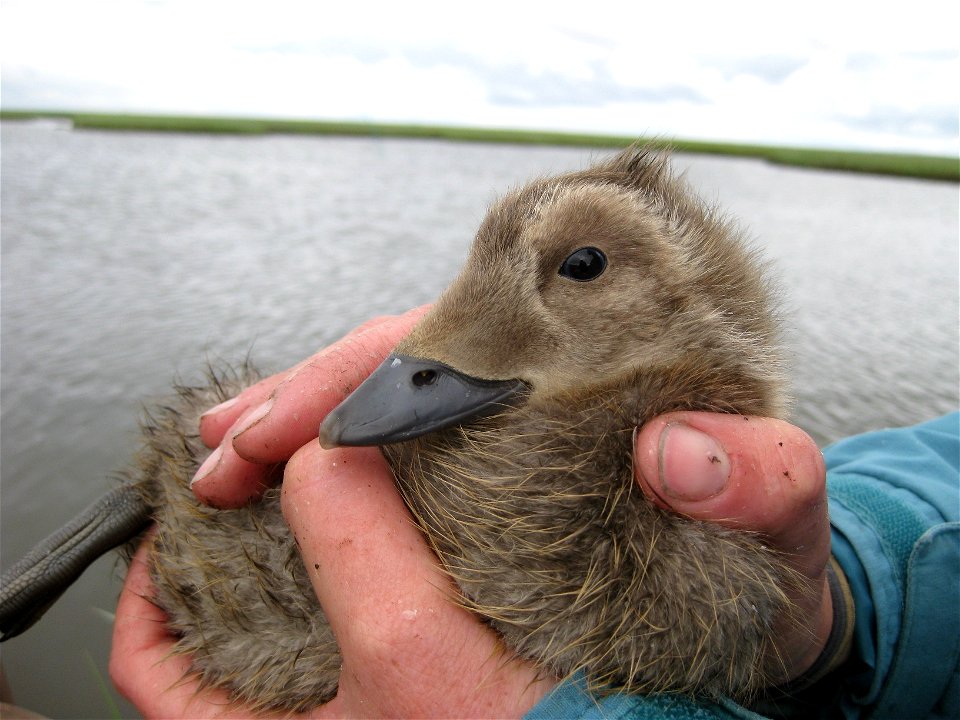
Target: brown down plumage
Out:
[534,509]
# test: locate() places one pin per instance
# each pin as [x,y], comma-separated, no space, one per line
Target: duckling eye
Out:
[585,264]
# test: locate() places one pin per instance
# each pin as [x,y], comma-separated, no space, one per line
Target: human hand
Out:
[756,474]
[408,649]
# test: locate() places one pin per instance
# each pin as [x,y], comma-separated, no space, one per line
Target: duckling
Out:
[590,302]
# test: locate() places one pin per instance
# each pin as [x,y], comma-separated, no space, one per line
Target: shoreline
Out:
[885,163]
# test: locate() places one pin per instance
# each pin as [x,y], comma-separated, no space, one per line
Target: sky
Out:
[876,75]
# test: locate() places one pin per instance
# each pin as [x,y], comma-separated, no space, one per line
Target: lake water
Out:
[129,259]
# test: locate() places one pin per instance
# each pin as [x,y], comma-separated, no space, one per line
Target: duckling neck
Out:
[536,515]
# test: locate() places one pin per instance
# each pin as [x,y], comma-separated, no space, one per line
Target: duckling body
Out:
[231,581]
[550,538]
[531,506]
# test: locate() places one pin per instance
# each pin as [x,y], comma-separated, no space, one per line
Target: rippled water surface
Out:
[129,259]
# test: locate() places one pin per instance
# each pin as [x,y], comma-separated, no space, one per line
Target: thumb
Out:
[756,474]
[402,632]
[751,473]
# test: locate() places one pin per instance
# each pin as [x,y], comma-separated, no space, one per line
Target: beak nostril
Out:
[424,377]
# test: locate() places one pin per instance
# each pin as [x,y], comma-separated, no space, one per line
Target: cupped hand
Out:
[408,649]
[757,474]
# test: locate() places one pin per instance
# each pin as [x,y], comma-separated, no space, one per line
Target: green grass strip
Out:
[908,165]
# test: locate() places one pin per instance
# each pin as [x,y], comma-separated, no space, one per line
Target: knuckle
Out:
[380,640]
[297,465]
[311,471]
[803,471]
[299,471]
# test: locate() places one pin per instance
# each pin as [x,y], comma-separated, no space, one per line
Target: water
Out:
[129,259]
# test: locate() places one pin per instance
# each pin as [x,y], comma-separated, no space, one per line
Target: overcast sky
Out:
[874,75]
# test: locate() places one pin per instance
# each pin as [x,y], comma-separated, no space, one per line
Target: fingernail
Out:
[258,414]
[693,466]
[221,407]
[208,465]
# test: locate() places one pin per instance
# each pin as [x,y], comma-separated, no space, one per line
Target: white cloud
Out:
[831,73]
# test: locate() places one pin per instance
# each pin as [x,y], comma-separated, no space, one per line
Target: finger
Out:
[291,417]
[142,664]
[216,421]
[225,480]
[372,543]
[387,600]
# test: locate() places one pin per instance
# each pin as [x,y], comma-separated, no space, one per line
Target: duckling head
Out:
[575,282]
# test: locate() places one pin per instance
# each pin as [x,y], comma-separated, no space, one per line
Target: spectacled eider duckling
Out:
[590,302]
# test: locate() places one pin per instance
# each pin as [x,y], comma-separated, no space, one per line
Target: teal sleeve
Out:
[571,699]
[895,513]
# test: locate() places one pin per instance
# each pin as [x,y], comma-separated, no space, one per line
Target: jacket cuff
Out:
[837,649]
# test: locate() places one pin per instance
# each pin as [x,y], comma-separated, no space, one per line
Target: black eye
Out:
[585,264]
